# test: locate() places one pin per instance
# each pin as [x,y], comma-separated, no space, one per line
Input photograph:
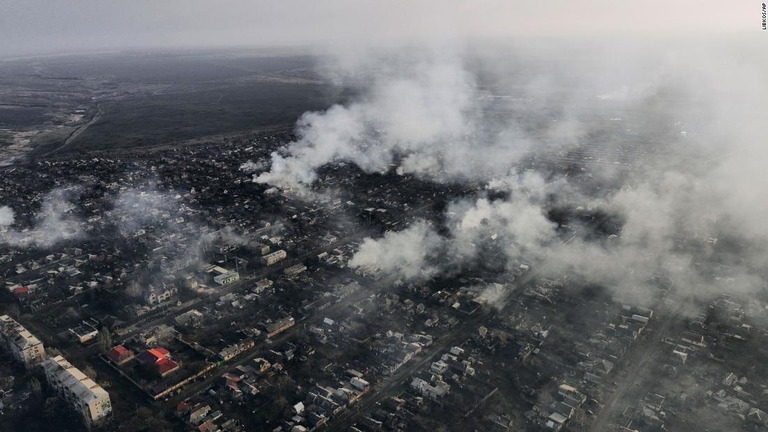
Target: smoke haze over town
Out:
[383,216]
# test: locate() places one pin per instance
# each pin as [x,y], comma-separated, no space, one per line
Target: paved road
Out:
[399,381]
[77,132]
[638,359]
[266,272]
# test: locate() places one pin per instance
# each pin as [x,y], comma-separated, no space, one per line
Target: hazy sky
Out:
[50,26]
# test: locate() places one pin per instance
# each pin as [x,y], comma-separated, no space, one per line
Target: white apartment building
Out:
[79,391]
[23,345]
[274,257]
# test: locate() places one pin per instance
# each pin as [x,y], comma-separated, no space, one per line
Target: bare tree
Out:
[105,339]
[134,290]
[51,407]
[90,372]
[35,386]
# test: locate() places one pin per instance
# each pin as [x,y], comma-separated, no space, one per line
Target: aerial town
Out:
[182,289]
[433,220]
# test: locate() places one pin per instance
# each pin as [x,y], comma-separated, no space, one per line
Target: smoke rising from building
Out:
[689,177]
[6,216]
[405,253]
[54,222]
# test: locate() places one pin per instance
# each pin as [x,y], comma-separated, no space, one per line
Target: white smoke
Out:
[516,226]
[493,295]
[426,114]
[54,222]
[667,144]
[6,216]
[185,241]
[405,254]
[513,227]
[134,209]
[251,167]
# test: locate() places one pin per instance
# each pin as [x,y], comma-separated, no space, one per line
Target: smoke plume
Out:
[54,222]
[6,216]
[405,254]
[426,114]
[657,142]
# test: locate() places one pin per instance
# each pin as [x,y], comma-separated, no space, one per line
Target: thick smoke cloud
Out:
[6,216]
[517,226]
[425,114]
[666,143]
[54,223]
[692,212]
[408,113]
[405,253]
[512,228]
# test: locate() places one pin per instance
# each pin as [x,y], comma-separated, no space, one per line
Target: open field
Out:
[150,120]
[71,104]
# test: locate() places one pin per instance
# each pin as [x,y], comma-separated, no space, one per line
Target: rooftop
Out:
[74,380]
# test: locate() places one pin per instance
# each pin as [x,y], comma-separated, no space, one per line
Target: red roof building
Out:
[120,355]
[182,408]
[166,366]
[159,359]
[159,353]
[22,290]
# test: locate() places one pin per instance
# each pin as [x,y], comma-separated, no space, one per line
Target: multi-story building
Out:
[295,269]
[154,296]
[274,257]
[80,392]
[227,278]
[22,344]
[279,326]
[85,332]
[221,275]
[158,360]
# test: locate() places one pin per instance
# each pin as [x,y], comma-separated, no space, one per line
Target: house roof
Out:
[207,426]
[229,377]
[558,418]
[160,358]
[118,353]
[154,354]
[182,406]
[166,365]
[757,414]
[159,353]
